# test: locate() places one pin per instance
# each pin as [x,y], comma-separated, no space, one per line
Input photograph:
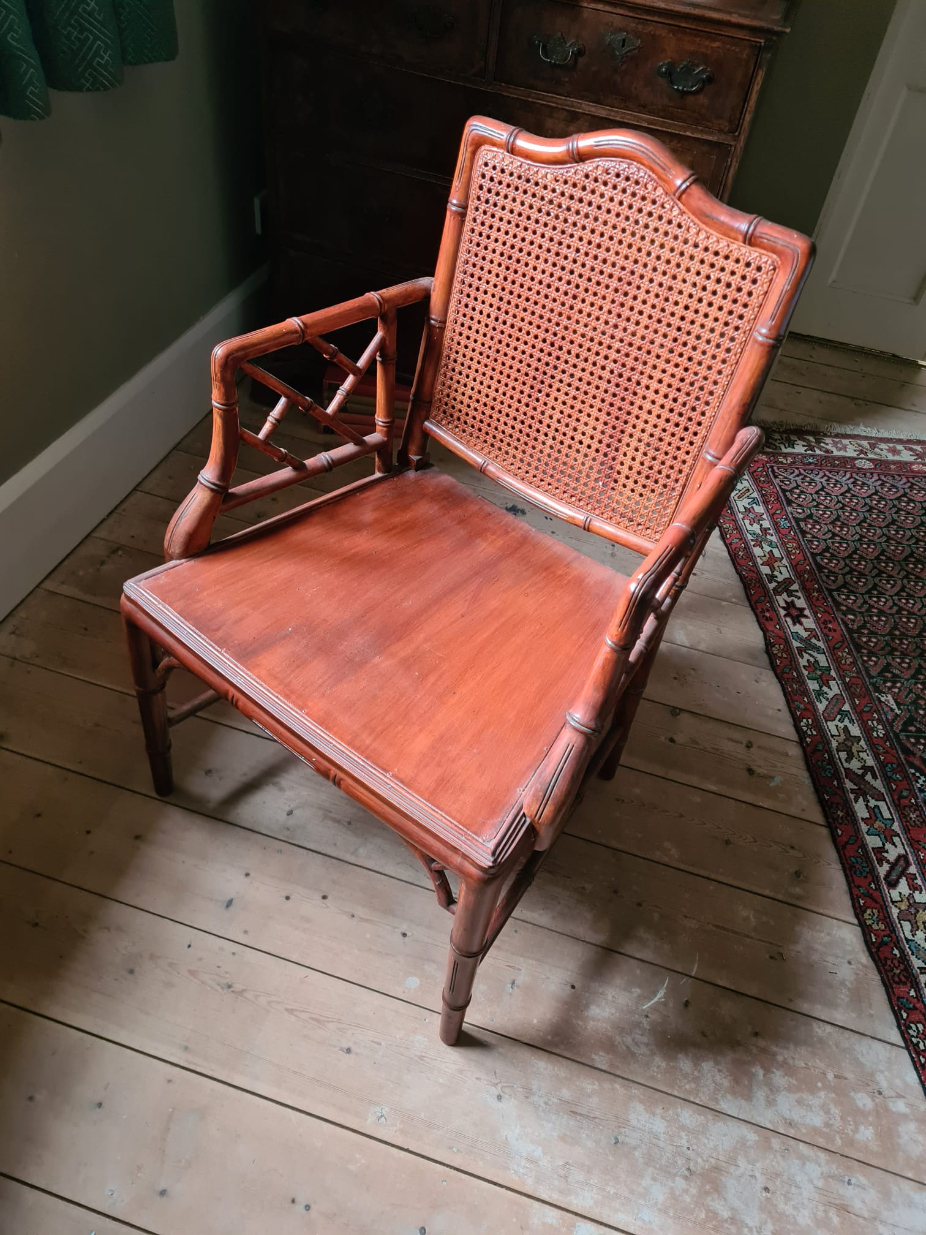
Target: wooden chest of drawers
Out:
[366,101]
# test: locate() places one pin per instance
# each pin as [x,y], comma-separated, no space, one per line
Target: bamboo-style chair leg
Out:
[152,704]
[475,906]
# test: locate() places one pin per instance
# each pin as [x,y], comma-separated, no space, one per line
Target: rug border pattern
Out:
[874,812]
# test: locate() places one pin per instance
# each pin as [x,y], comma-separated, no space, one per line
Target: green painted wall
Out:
[124,217]
[806,109]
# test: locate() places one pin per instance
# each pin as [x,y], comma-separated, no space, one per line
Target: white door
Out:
[868,286]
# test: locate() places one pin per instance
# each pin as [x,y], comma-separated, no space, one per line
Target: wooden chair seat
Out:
[409,632]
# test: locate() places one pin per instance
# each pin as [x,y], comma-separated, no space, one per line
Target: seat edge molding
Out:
[188,643]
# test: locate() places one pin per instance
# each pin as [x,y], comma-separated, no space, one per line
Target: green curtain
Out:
[76,45]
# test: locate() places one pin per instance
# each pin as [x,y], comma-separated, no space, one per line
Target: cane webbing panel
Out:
[593,328]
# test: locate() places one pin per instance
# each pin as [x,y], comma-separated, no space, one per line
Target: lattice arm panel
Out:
[191,527]
[633,633]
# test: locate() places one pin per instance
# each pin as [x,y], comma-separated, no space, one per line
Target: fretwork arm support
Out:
[635,627]
[191,527]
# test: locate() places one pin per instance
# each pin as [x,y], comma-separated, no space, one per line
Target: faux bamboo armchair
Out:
[599,327]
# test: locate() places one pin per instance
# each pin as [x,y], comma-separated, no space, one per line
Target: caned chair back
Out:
[600,324]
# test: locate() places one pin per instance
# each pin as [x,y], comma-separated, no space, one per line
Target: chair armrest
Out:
[191,526]
[650,593]
[228,356]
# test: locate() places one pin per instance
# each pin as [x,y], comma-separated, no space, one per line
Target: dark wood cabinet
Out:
[366,101]
[612,58]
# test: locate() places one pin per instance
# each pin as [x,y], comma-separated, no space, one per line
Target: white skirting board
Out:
[51,504]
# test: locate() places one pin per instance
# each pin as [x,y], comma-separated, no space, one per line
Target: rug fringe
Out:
[827,428]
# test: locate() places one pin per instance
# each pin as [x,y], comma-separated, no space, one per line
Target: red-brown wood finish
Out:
[598,329]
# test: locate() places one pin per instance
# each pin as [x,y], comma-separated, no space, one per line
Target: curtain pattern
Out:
[76,45]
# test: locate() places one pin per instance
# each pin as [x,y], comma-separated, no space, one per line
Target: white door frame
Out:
[827,308]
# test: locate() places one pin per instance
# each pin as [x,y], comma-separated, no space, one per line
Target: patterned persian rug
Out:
[828,535]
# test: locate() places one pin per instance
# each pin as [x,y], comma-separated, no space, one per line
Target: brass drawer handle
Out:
[555,50]
[687,77]
[622,44]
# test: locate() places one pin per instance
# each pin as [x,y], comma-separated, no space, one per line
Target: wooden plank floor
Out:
[219,1012]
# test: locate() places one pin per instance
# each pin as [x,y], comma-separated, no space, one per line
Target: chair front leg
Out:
[475,906]
[152,704]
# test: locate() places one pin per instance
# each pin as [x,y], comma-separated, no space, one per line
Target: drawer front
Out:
[378,114]
[437,35]
[662,70]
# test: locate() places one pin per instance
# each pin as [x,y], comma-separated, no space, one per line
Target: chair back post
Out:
[414,449]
